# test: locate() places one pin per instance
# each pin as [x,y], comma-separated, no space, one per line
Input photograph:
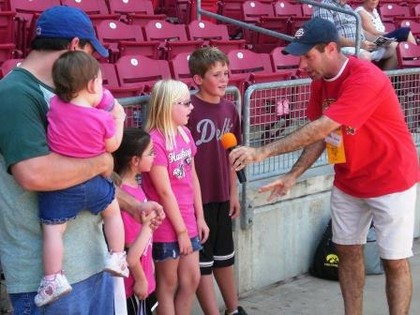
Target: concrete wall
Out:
[281,241]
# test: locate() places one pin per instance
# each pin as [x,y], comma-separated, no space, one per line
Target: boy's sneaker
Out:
[116,264]
[239,311]
[51,290]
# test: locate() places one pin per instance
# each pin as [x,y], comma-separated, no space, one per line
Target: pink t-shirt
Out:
[381,157]
[178,162]
[78,131]
[132,229]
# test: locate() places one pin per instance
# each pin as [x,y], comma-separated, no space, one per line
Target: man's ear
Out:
[74,44]
[197,79]
[331,46]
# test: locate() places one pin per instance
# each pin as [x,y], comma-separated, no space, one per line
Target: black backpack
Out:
[325,262]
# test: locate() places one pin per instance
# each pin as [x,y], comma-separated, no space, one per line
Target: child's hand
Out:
[118,111]
[203,230]
[148,207]
[184,242]
[140,289]
[146,218]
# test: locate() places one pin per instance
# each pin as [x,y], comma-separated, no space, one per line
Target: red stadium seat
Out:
[91,7]
[4,5]
[213,35]
[285,8]
[408,55]
[173,38]
[389,11]
[8,66]
[129,7]
[7,27]
[285,63]
[122,39]
[26,8]
[179,11]
[243,62]
[416,10]
[25,11]
[6,52]
[232,9]
[266,43]
[96,9]
[307,10]
[141,72]
[143,19]
[252,11]
[180,70]
[294,11]
[255,12]
[110,81]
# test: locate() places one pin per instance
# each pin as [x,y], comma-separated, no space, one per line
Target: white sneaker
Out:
[51,290]
[116,264]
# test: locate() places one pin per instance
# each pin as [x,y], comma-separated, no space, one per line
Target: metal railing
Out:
[274,110]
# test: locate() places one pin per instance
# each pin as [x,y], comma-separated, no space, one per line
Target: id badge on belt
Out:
[335,147]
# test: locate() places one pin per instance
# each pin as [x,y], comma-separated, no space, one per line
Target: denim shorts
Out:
[59,206]
[163,251]
[90,296]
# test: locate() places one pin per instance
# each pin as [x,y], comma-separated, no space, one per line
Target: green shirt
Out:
[23,108]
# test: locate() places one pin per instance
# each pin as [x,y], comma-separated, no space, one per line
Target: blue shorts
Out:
[59,206]
[401,34]
[90,296]
[163,251]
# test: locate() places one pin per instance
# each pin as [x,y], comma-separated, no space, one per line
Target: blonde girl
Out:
[173,183]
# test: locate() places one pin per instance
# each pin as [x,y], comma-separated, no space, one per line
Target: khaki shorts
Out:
[393,217]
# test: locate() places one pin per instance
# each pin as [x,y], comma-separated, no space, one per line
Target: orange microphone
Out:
[229,142]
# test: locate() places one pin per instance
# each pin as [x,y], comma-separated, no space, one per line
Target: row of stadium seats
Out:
[159,39]
[135,74]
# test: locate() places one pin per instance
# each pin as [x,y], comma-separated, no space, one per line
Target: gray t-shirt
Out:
[23,136]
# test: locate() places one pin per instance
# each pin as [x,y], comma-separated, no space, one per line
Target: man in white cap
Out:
[27,165]
[356,117]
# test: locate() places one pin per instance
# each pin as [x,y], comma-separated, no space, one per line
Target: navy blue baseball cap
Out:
[68,22]
[315,31]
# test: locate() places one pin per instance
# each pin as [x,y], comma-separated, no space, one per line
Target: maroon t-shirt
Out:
[207,123]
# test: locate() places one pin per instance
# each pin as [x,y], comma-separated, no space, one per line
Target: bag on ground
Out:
[326,261]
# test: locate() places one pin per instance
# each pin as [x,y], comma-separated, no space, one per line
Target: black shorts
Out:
[218,250]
